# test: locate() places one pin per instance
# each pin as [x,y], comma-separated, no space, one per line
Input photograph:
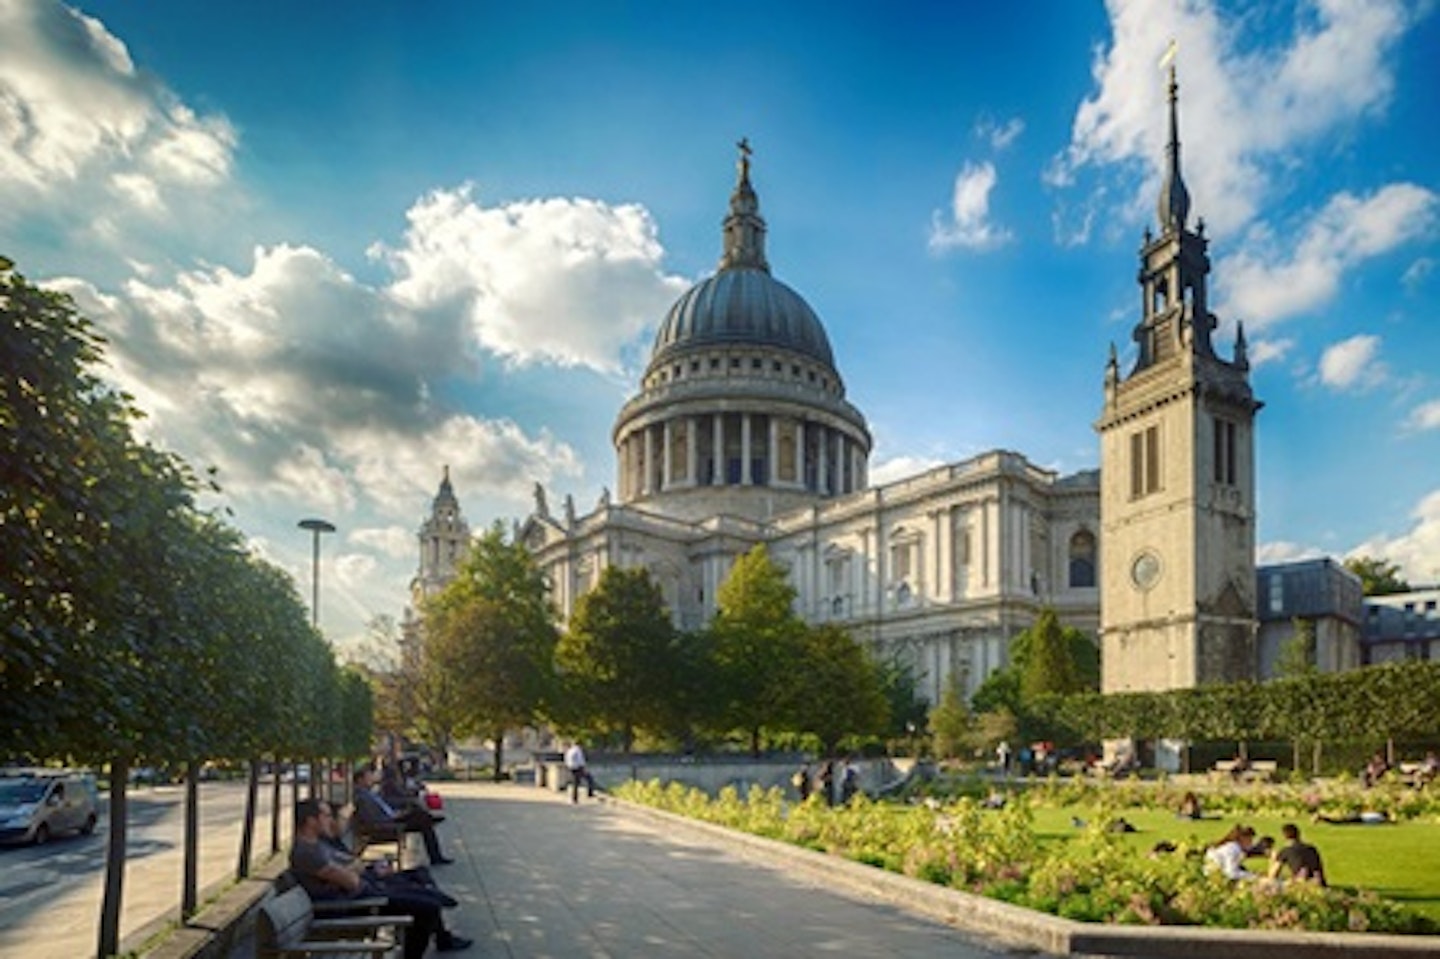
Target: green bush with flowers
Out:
[1092,876]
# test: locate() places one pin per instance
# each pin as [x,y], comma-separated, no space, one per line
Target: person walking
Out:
[575,763]
[1002,757]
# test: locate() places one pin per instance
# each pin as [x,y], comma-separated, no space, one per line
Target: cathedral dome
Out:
[743,305]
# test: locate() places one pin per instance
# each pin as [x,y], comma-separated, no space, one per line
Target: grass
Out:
[1395,860]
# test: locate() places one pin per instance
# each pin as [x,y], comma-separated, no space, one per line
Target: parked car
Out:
[38,804]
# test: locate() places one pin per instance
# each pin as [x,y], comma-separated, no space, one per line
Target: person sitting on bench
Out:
[373,812]
[328,874]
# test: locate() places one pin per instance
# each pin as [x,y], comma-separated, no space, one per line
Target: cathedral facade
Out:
[741,433]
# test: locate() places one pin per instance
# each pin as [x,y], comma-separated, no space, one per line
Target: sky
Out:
[338,247]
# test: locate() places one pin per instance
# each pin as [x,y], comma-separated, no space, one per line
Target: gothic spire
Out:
[1174,206]
[744,227]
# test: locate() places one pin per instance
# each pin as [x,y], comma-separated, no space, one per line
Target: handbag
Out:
[434,801]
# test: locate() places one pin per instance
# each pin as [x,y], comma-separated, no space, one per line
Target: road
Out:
[50,895]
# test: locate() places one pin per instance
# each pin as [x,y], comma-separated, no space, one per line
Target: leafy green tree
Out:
[842,693]
[1049,664]
[1297,652]
[492,632]
[950,719]
[758,640]
[618,657]
[1378,577]
[908,710]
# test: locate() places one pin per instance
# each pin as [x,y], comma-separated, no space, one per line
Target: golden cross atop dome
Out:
[744,147]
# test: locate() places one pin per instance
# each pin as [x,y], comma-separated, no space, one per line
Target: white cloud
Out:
[901,467]
[394,541]
[1250,106]
[1269,351]
[1272,279]
[1352,363]
[1000,136]
[1282,551]
[568,281]
[1426,416]
[968,224]
[1416,273]
[73,105]
[1417,552]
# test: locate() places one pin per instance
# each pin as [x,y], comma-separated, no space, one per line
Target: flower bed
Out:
[1093,876]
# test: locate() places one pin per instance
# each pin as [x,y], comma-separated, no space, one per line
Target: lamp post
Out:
[316,527]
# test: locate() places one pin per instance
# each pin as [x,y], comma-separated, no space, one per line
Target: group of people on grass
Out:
[324,863]
[1295,859]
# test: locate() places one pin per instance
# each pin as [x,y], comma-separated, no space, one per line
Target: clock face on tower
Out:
[1145,570]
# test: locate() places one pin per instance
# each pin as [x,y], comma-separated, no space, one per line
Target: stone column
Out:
[822,467]
[666,479]
[772,453]
[842,464]
[719,451]
[647,467]
[692,450]
[744,449]
[800,453]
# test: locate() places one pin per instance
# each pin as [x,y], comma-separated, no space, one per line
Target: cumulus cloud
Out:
[1426,416]
[394,541]
[76,113]
[1415,551]
[901,467]
[968,222]
[1416,273]
[1250,106]
[1269,351]
[1282,551]
[1352,364]
[1272,279]
[568,281]
[303,385]
[1000,135]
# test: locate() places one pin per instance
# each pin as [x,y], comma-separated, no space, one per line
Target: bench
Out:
[1259,770]
[287,926]
[358,837]
[1416,774]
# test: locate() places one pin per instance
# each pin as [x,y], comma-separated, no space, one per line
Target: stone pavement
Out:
[538,877]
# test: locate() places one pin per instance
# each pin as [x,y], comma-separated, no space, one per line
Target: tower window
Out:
[756,363]
[1145,462]
[1082,560]
[1224,458]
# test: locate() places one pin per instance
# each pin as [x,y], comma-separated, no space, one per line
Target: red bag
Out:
[433,801]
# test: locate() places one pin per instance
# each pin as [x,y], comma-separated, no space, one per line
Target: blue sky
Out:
[337,246]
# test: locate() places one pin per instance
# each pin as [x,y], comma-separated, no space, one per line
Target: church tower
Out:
[1177,451]
[444,540]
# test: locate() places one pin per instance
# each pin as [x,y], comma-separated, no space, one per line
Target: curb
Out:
[1018,926]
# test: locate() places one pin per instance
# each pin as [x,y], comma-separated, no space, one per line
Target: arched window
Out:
[1082,559]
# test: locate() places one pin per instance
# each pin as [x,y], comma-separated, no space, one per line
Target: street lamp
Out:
[316,526]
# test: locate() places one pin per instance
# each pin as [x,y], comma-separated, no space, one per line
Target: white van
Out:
[36,804]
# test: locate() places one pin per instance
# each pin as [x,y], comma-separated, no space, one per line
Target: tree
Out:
[618,658]
[1297,653]
[901,689]
[950,718]
[1378,577]
[1049,663]
[757,639]
[491,633]
[842,694]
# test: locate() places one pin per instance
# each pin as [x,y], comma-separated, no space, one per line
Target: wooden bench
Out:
[1259,770]
[287,926]
[358,837]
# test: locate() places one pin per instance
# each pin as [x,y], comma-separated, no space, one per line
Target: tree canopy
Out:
[1378,577]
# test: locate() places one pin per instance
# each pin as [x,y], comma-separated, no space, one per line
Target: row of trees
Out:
[136,627]
[494,659]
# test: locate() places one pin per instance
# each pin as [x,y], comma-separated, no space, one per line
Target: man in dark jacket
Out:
[373,813]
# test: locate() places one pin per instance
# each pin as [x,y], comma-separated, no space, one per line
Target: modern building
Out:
[1177,450]
[741,433]
[1401,626]
[1320,592]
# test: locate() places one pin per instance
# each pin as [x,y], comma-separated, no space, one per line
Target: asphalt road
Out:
[50,895]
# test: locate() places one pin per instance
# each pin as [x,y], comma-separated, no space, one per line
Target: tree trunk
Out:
[247,831]
[275,803]
[108,943]
[190,877]
[499,753]
[755,743]
[1315,762]
[1295,754]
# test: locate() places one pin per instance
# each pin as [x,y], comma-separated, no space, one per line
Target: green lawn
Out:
[1399,861]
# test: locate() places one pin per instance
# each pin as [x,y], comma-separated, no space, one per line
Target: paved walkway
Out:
[538,877]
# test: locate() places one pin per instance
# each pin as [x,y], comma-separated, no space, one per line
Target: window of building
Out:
[1224,453]
[1082,560]
[1145,462]
[756,363]
[1277,593]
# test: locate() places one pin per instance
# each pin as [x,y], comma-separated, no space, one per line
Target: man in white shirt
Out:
[575,762]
